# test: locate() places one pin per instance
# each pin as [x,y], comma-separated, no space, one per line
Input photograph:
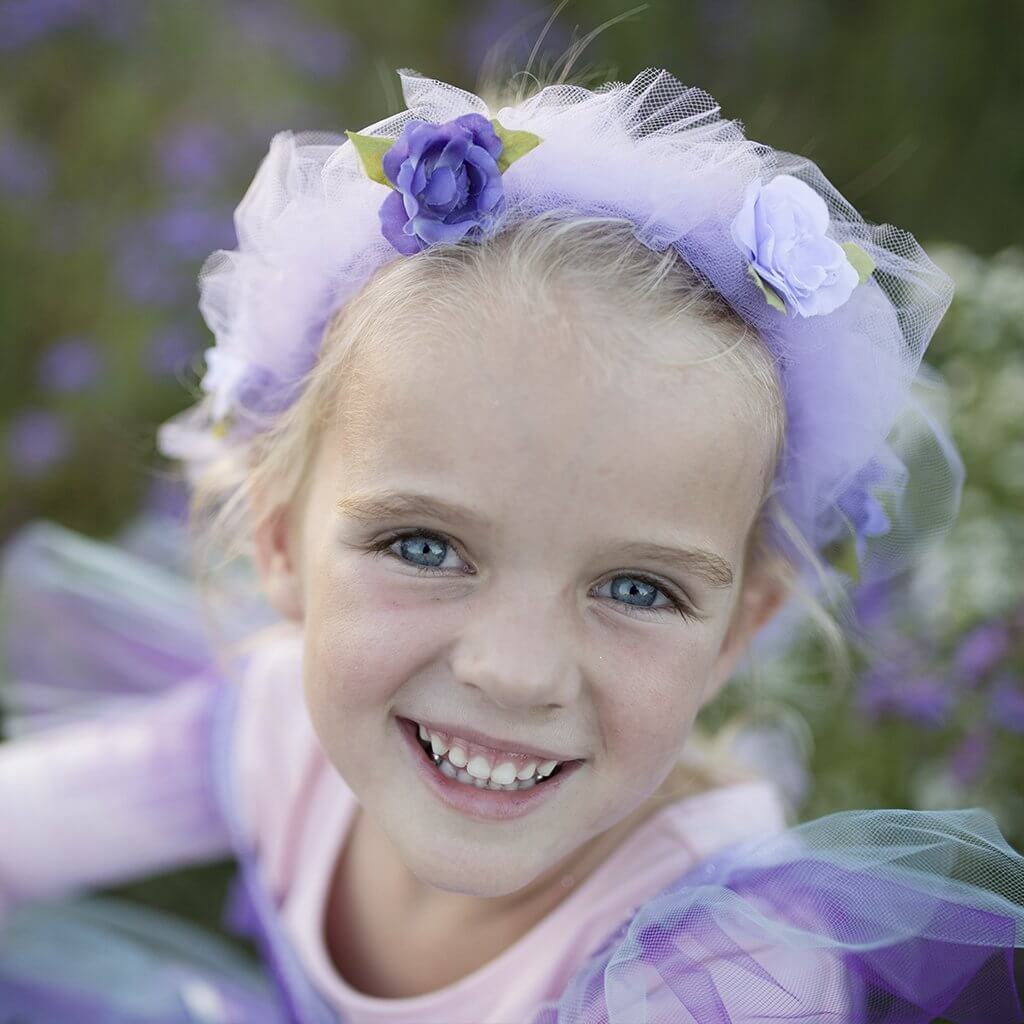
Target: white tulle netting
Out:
[866,419]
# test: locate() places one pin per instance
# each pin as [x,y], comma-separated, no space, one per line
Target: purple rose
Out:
[781,230]
[447,182]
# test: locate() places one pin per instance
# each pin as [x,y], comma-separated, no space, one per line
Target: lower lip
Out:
[485,804]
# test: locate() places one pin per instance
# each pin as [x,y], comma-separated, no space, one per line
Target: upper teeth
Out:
[503,771]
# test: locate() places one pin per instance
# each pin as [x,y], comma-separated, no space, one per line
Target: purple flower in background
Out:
[169,352]
[36,440]
[968,760]
[781,230]
[191,154]
[192,232]
[901,685]
[24,21]
[510,28]
[925,699]
[25,169]
[1006,704]
[871,604]
[317,49]
[142,270]
[320,51]
[70,365]
[447,182]
[980,650]
[166,499]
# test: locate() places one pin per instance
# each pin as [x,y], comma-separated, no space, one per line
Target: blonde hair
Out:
[570,267]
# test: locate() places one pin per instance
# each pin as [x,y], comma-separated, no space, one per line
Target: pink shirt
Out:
[299,809]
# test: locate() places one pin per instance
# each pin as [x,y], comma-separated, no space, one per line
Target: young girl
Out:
[535,420]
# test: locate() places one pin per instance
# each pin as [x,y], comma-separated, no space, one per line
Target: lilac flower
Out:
[314,48]
[72,364]
[24,21]
[169,352]
[981,649]
[508,28]
[447,182]
[781,228]
[320,51]
[36,440]
[191,154]
[1006,704]
[191,231]
[871,604]
[968,760]
[142,270]
[895,688]
[25,169]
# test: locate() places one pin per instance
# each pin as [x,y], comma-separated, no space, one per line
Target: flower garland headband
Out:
[447,181]
[846,308]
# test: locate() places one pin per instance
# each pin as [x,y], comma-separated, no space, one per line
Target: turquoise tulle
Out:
[95,960]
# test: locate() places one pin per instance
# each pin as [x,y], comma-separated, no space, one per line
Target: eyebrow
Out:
[370,506]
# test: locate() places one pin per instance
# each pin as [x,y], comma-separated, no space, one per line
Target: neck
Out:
[414,938]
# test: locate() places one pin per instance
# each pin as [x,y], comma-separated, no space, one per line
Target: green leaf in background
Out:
[514,144]
[771,295]
[371,150]
[859,260]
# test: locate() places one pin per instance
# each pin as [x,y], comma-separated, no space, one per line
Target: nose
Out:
[519,649]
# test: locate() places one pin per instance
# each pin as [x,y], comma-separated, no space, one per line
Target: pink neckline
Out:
[323,873]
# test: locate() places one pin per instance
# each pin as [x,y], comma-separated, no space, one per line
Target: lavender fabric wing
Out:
[88,627]
[99,961]
[111,696]
[884,916]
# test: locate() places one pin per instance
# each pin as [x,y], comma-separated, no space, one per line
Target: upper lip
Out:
[497,745]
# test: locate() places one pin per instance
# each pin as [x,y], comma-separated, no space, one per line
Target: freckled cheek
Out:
[650,696]
[367,635]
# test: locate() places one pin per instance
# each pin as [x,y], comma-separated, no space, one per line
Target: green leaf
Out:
[859,260]
[514,144]
[371,150]
[771,295]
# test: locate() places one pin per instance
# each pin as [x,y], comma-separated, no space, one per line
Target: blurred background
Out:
[129,131]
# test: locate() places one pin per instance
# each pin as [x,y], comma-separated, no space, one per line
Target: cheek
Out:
[651,691]
[365,636]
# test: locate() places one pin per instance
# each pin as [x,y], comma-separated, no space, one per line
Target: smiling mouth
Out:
[441,764]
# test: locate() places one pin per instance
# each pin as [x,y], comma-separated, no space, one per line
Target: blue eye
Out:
[639,592]
[418,547]
[424,551]
[427,552]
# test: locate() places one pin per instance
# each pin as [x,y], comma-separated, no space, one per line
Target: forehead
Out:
[526,423]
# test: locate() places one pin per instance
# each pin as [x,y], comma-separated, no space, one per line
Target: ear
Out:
[763,594]
[277,562]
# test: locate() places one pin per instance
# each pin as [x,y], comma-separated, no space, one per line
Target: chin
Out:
[478,876]
[456,863]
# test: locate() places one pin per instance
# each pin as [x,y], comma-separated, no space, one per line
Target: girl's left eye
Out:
[428,552]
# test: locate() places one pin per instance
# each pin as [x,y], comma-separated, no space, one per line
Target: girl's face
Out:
[575,583]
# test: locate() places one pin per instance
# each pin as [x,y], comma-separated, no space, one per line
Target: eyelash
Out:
[680,605]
